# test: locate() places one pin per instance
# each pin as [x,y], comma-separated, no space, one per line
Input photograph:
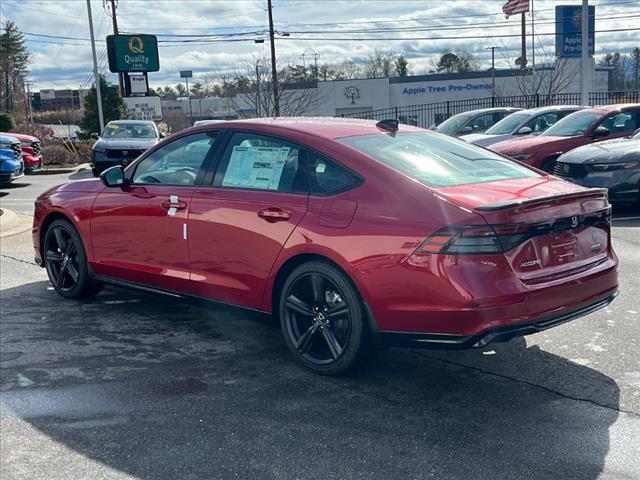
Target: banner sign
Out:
[569,30]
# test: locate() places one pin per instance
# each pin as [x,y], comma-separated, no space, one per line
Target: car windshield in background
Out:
[436,160]
[637,134]
[507,124]
[572,125]
[454,123]
[128,130]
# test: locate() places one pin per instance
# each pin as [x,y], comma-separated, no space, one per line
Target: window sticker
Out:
[255,167]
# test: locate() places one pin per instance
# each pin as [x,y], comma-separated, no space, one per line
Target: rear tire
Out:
[322,319]
[66,261]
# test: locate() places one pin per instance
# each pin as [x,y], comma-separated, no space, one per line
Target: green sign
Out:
[133,53]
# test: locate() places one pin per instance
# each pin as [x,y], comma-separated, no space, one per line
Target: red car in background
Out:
[31,151]
[352,233]
[579,128]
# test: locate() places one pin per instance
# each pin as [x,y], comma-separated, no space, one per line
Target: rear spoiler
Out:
[526,201]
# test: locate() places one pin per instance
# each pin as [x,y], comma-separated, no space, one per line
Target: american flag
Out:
[515,6]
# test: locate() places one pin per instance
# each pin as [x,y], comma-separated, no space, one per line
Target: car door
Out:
[239,223]
[139,231]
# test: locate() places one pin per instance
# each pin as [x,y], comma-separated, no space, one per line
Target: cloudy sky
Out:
[215,38]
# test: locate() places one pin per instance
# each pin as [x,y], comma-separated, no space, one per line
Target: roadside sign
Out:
[569,30]
[144,108]
[186,73]
[136,85]
[133,53]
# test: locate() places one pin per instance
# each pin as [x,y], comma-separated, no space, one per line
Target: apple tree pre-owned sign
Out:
[133,53]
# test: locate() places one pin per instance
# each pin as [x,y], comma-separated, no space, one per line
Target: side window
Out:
[621,122]
[327,177]
[176,163]
[260,162]
[542,122]
[481,122]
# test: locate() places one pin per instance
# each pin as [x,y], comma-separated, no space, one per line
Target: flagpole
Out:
[533,39]
[523,53]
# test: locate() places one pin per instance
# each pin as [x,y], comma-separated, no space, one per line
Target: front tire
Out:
[322,319]
[66,261]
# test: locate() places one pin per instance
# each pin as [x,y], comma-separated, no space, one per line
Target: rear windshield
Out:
[437,160]
[572,125]
[454,123]
[508,124]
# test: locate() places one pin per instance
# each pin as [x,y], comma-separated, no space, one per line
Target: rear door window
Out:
[622,122]
[261,162]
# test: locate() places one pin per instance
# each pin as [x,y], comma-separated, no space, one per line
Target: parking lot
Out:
[131,385]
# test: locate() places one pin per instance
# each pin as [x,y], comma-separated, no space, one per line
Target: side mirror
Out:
[600,132]
[95,136]
[524,131]
[466,129]
[162,135]
[113,177]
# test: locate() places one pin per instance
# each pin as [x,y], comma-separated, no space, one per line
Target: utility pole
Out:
[29,103]
[274,72]
[95,68]
[584,66]
[186,80]
[114,20]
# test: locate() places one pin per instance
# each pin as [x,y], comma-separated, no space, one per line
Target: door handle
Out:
[274,214]
[174,202]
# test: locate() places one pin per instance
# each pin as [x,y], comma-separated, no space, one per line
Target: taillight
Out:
[476,240]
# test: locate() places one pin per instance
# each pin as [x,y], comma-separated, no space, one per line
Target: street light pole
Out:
[274,72]
[95,68]
[493,70]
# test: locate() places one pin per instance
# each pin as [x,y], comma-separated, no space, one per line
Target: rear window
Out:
[436,160]
[454,123]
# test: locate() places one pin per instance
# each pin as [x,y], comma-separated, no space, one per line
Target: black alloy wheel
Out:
[66,262]
[321,318]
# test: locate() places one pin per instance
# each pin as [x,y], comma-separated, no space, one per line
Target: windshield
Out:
[575,124]
[129,130]
[454,123]
[508,124]
[437,160]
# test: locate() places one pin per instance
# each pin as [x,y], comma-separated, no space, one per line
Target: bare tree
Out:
[254,94]
[175,120]
[379,63]
[550,78]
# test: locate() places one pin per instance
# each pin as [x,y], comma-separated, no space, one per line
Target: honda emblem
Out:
[574,221]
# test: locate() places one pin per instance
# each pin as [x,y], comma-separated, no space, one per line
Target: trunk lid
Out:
[549,228]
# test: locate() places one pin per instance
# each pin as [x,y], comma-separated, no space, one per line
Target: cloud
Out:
[67,63]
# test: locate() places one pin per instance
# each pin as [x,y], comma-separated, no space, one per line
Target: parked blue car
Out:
[11,164]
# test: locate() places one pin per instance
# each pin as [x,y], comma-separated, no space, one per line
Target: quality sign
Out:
[133,53]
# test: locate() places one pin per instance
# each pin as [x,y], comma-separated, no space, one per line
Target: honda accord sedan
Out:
[354,234]
[613,164]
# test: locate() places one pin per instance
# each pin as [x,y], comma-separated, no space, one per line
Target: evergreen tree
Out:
[14,60]
[113,108]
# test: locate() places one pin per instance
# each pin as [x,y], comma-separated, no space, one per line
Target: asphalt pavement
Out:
[130,385]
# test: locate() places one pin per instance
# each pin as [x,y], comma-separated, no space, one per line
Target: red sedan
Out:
[31,151]
[579,128]
[354,234]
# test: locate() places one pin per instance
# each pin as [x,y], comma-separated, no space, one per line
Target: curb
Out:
[56,171]
[12,223]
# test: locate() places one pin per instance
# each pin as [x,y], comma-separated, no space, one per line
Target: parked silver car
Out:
[121,142]
[525,122]
[474,121]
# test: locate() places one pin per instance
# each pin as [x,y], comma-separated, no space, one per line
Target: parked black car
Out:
[614,164]
[121,142]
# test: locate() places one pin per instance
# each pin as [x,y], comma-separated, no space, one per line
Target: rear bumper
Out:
[499,334]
